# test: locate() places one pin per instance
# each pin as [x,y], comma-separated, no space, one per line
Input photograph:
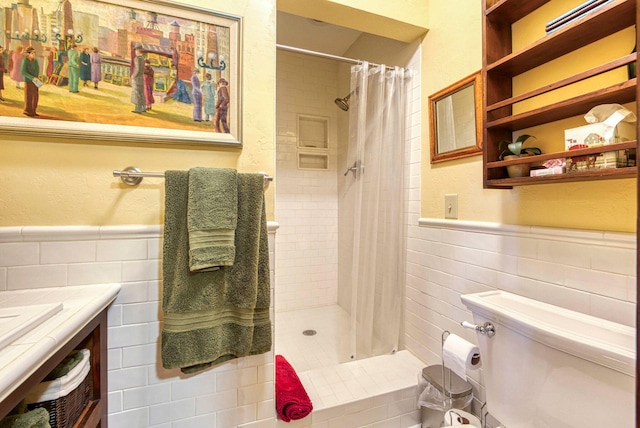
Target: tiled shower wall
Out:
[238,393]
[307,204]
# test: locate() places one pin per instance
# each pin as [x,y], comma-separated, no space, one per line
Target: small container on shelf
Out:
[547,171]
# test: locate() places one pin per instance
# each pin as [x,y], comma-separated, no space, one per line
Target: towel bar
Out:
[133,176]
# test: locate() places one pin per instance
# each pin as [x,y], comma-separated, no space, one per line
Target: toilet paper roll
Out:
[460,355]
[457,417]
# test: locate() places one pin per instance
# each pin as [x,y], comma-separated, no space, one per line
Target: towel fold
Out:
[212,217]
[68,376]
[292,401]
[214,316]
[67,364]
[37,418]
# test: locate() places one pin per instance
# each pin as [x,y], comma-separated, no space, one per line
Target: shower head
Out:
[343,103]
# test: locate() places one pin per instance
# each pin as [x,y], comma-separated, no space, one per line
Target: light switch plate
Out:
[451,206]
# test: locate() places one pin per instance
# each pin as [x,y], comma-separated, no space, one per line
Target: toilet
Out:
[546,366]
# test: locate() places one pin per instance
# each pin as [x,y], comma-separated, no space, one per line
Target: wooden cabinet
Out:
[93,337]
[501,65]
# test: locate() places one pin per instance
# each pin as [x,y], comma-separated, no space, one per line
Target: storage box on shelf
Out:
[500,65]
[64,397]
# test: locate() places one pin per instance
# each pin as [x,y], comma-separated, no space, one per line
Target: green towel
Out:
[211,217]
[36,418]
[65,366]
[214,316]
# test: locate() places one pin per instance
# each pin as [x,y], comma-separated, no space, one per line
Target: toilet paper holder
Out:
[488,328]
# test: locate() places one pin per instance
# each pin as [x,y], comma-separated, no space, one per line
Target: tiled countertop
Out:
[80,305]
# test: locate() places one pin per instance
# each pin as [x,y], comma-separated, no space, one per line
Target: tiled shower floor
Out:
[322,363]
[328,347]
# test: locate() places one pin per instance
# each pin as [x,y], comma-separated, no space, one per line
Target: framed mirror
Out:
[455,119]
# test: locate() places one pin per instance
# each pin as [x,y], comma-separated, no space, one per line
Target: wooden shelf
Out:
[621,93]
[605,21]
[566,154]
[595,174]
[505,11]
[611,65]
[500,65]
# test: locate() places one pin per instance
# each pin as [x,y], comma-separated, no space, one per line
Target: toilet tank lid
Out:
[601,341]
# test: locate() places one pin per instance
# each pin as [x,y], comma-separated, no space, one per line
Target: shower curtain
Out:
[375,192]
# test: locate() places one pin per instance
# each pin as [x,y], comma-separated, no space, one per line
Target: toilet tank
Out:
[551,367]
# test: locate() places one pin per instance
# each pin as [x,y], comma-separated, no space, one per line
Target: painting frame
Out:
[120,132]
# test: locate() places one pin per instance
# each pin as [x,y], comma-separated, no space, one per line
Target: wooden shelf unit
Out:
[93,336]
[500,65]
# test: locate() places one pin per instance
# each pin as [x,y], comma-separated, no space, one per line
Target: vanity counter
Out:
[80,323]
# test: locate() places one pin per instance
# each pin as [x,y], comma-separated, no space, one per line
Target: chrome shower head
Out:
[343,103]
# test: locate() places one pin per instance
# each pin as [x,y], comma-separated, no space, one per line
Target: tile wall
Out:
[593,272]
[307,200]
[141,394]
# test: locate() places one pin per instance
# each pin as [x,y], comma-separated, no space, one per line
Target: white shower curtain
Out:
[376,193]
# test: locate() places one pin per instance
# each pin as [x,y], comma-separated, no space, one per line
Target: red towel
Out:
[292,401]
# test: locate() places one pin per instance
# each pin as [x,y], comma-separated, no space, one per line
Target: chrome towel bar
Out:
[133,176]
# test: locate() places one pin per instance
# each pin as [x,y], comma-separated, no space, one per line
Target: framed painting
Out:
[132,70]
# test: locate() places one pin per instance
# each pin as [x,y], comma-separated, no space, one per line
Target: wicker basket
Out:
[64,409]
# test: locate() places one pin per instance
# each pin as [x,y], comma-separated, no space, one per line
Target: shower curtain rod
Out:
[326,55]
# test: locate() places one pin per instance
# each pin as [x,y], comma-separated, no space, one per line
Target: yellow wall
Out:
[452,50]
[45,182]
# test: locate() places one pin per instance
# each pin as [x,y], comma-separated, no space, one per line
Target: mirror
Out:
[455,119]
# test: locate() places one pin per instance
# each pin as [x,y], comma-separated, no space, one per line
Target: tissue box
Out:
[595,134]
[617,159]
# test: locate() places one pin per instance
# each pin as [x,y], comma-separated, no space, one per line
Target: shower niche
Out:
[313,142]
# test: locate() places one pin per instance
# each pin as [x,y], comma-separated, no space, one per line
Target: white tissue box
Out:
[594,134]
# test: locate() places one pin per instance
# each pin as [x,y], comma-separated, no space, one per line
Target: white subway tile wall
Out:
[306,200]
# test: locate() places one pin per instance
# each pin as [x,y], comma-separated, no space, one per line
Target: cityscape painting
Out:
[149,71]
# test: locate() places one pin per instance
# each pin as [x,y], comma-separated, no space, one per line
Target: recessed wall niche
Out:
[313,161]
[313,142]
[313,132]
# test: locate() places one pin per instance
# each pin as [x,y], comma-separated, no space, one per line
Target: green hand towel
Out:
[36,418]
[212,217]
[68,363]
[214,316]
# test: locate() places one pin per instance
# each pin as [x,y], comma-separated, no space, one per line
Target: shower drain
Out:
[309,332]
